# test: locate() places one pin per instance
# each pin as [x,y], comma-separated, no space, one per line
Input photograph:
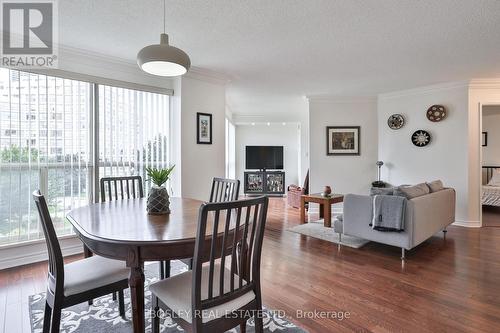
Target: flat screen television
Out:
[264,157]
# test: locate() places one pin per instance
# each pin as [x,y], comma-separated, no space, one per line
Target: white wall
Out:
[491,125]
[345,174]
[276,134]
[201,162]
[444,158]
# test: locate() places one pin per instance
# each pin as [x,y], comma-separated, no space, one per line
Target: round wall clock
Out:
[396,121]
[421,138]
[436,113]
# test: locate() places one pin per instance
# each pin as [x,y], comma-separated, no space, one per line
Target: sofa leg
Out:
[444,233]
[403,253]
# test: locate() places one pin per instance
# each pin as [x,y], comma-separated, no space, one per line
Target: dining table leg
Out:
[136,283]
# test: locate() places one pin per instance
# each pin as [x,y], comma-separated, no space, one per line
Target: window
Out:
[133,131]
[47,142]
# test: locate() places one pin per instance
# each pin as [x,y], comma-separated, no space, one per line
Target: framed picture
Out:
[484,139]
[204,128]
[342,140]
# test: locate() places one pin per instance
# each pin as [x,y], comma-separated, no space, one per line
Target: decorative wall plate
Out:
[436,113]
[396,121]
[421,138]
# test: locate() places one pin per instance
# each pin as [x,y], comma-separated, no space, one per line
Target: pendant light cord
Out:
[164,21]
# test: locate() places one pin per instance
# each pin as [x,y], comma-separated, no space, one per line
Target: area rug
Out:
[103,315]
[316,229]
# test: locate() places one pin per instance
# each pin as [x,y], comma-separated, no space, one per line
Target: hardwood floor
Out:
[447,285]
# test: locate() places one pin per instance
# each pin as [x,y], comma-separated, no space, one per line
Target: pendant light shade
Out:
[163,59]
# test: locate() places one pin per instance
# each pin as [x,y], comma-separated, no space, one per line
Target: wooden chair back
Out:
[56,262]
[240,245]
[117,188]
[224,190]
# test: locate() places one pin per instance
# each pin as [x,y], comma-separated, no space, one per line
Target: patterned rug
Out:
[317,229]
[103,315]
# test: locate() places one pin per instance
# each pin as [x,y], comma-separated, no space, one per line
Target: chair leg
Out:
[55,322]
[340,237]
[121,304]
[167,268]
[156,320]
[46,318]
[190,265]
[162,269]
[114,296]
[91,302]
[243,327]
[259,324]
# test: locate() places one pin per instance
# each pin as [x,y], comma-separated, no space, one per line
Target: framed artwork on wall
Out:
[484,139]
[204,128]
[343,140]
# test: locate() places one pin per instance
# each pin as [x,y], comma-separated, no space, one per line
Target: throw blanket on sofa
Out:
[388,213]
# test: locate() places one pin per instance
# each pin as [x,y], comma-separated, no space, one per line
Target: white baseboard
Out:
[32,252]
[467,224]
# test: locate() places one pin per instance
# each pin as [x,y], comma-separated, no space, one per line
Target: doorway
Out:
[490,163]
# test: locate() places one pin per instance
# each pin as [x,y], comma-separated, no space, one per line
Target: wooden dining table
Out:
[123,230]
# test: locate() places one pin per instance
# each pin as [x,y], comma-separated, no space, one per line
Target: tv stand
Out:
[264,182]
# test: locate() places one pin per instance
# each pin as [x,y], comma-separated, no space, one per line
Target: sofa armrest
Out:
[431,213]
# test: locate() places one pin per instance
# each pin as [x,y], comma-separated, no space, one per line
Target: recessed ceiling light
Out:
[268,124]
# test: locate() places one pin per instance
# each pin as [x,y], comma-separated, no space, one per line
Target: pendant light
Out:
[163,59]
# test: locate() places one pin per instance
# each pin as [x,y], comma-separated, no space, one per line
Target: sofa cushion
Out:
[410,192]
[381,191]
[435,186]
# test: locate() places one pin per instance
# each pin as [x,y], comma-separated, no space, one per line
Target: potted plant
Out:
[158,198]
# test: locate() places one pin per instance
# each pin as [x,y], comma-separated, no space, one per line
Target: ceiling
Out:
[278,51]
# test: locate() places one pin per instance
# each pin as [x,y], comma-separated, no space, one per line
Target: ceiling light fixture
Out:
[163,59]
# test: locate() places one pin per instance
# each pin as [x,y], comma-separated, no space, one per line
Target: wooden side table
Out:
[325,206]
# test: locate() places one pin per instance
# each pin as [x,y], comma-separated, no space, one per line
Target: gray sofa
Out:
[424,216]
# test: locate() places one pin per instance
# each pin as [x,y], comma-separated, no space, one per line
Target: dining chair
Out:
[223,289]
[223,190]
[79,281]
[124,187]
[127,187]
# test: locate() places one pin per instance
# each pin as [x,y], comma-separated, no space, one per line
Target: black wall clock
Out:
[396,121]
[421,138]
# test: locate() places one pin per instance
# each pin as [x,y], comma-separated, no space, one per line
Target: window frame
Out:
[93,185]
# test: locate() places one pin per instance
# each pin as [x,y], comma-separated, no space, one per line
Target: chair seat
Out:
[91,273]
[175,292]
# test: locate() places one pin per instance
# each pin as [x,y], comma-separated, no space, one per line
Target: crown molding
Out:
[207,75]
[130,67]
[493,83]
[341,99]
[424,90]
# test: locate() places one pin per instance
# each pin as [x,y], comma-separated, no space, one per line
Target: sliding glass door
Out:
[49,137]
[44,143]
[133,132]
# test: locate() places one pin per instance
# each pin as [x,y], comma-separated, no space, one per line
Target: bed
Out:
[491,186]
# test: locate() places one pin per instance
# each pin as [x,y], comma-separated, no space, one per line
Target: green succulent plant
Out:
[159,176]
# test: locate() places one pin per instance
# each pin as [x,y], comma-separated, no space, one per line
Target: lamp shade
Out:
[163,59]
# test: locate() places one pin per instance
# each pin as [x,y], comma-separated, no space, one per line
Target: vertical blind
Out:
[133,132]
[47,138]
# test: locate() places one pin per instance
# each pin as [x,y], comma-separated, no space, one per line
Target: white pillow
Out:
[495,178]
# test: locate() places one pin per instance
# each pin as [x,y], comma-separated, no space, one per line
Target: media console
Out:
[264,182]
